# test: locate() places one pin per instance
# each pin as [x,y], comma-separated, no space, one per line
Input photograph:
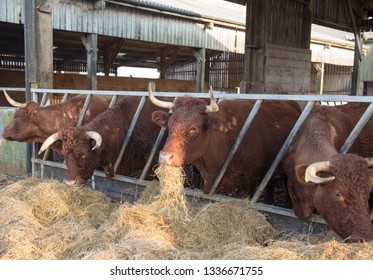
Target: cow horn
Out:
[370,162]
[95,136]
[157,102]
[317,167]
[13,102]
[213,107]
[49,141]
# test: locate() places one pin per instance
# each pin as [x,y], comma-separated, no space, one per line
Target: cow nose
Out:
[70,183]
[165,157]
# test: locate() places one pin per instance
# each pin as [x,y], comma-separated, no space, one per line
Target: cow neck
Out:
[113,120]
[52,118]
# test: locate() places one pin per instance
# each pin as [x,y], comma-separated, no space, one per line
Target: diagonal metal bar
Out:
[236,145]
[281,153]
[85,108]
[129,133]
[357,129]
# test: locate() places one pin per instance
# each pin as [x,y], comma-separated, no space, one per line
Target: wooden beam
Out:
[356,31]
[109,61]
[46,6]
[165,64]
[90,43]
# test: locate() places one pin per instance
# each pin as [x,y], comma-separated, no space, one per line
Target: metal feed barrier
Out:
[129,188]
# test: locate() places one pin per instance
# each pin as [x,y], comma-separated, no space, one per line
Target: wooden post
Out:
[90,43]
[200,55]
[254,44]
[355,71]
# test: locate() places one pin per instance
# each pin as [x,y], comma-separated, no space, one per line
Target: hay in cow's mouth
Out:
[43,219]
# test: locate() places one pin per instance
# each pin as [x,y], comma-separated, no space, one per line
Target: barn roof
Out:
[219,10]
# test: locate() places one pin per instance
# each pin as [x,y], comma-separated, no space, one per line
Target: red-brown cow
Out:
[98,143]
[34,123]
[202,134]
[340,192]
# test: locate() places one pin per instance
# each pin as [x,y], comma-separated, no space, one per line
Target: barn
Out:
[267,57]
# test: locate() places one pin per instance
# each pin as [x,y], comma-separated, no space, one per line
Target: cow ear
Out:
[300,174]
[160,117]
[31,105]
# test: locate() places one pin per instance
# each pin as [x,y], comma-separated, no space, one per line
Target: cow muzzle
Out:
[166,158]
[73,183]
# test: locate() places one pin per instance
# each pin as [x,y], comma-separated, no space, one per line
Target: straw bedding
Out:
[44,219]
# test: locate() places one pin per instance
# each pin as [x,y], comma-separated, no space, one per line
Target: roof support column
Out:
[44,43]
[200,55]
[90,43]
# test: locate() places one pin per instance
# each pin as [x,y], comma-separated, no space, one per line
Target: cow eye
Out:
[193,130]
[338,194]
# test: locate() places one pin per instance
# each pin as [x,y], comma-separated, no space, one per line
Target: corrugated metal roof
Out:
[331,35]
[213,9]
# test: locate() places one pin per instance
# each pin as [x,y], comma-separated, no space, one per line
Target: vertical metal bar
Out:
[129,133]
[236,145]
[85,108]
[357,129]
[30,63]
[281,153]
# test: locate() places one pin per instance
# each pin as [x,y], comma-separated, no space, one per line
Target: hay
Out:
[44,219]
[222,223]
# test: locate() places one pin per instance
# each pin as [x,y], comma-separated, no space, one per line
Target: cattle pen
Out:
[124,188]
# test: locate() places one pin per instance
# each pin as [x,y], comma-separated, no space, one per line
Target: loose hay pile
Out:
[44,219]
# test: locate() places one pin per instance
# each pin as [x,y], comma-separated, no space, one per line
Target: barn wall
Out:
[224,71]
[12,154]
[277,56]
[285,70]
[13,78]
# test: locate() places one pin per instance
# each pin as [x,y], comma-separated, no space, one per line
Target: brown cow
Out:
[202,134]
[98,143]
[34,123]
[341,198]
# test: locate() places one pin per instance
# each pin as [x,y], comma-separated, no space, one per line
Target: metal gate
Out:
[129,188]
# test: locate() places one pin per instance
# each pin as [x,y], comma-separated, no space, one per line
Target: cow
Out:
[35,123]
[336,185]
[98,143]
[202,132]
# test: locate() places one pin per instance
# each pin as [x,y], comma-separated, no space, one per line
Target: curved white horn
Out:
[49,141]
[370,162]
[317,167]
[157,102]
[13,102]
[95,136]
[213,107]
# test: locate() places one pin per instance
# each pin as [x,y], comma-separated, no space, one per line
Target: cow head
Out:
[188,128]
[25,125]
[341,195]
[79,149]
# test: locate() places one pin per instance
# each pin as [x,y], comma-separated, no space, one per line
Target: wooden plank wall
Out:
[287,70]
[12,78]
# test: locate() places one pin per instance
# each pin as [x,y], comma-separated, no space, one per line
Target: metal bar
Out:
[44,98]
[357,129]
[236,145]
[285,212]
[282,152]
[253,96]
[84,110]
[65,97]
[129,133]
[113,101]
[152,153]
